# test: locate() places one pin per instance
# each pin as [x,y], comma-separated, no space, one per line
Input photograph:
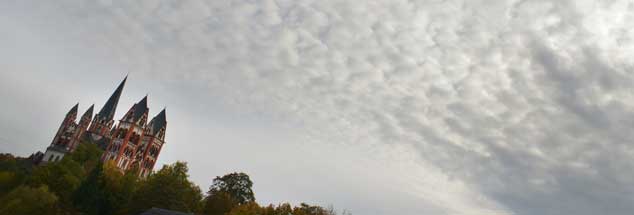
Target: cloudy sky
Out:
[380,107]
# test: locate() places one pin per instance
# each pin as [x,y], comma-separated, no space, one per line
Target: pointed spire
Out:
[143,102]
[140,109]
[88,112]
[108,109]
[73,110]
[161,117]
[158,122]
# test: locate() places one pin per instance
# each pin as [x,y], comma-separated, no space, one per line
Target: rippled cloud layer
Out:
[477,107]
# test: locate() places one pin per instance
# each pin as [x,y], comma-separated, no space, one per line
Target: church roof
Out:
[89,111]
[158,122]
[73,110]
[159,211]
[108,109]
[139,109]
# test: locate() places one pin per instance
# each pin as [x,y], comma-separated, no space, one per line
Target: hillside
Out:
[81,184]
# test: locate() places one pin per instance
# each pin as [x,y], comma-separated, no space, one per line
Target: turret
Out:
[84,121]
[153,141]
[67,123]
[64,138]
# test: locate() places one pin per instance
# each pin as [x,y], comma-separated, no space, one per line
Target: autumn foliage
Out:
[80,184]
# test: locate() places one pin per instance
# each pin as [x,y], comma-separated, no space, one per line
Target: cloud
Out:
[524,105]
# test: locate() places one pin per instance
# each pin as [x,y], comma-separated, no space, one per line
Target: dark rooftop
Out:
[158,122]
[159,211]
[139,109]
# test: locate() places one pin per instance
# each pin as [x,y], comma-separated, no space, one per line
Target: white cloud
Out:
[523,105]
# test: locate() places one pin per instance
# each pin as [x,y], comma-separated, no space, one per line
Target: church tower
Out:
[127,136]
[104,120]
[132,143]
[84,121]
[152,143]
[63,139]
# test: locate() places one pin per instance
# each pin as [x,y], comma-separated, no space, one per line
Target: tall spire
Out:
[73,110]
[140,109]
[158,122]
[143,102]
[88,112]
[108,110]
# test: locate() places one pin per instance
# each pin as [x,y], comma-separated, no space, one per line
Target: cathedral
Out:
[132,142]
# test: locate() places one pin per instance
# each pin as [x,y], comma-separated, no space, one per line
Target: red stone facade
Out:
[132,143]
[135,143]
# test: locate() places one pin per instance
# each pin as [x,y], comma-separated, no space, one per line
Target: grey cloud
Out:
[524,103]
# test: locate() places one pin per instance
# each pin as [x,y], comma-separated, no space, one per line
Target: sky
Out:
[378,107]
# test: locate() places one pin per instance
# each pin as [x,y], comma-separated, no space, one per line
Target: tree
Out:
[282,209]
[250,208]
[90,197]
[169,188]
[237,185]
[27,201]
[219,204]
[253,208]
[13,172]
[105,191]
[8,181]
[88,154]
[305,209]
[62,178]
[123,189]
[227,192]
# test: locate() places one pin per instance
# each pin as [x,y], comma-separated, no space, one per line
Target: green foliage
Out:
[13,172]
[90,197]
[8,181]
[169,188]
[62,178]
[10,163]
[250,208]
[228,192]
[219,203]
[237,185]
[105,191]
[87,154]
[253,208]
[26,201]
[124,189]
[305,209]
[81,184]
[282,209]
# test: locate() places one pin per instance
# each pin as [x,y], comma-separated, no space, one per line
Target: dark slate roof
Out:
[158,122]
[139,109]
[73,110]
[89,111]
[159,211]
[108,109]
